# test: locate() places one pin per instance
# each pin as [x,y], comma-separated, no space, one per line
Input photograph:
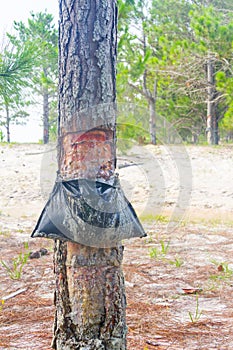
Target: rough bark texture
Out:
[90,297]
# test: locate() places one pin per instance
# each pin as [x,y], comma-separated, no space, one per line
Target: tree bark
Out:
[90,297]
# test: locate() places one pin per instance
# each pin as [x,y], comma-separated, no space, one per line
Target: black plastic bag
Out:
[92,213]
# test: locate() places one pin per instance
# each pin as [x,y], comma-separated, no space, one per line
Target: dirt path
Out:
[179,280]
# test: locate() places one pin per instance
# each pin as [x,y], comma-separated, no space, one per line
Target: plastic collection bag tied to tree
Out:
[90,212]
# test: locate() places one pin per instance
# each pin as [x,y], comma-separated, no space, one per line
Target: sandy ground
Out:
[179,182]
[184,197]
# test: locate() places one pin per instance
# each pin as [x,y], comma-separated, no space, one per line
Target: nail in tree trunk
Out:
[90,297]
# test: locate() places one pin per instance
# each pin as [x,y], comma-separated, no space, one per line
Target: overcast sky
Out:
[15,10]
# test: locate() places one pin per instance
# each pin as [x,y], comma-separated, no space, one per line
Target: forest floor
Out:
[179,279]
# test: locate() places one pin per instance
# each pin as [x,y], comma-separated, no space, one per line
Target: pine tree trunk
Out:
[90,297]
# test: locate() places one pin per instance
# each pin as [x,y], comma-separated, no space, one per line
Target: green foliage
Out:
[28,61]
[2,137]
[213,29]
[15,270]
[154,217]
[195,317]
[130,128]
[41,32]
[225,272]
[155,252]
[178,262]
[2,302]
[164,247]
[16,62]
[225,85]
[128,131]
[157,46]
[15,115]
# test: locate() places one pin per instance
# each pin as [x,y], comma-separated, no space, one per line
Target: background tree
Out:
[225,85]
[157,45]
[213,32]
[15,67]
[12,113]
[41,31]
[134,54]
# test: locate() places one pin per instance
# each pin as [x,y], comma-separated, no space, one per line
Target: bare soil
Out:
[179,279]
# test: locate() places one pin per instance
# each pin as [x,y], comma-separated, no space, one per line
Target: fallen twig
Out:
[12,295]
[152,343]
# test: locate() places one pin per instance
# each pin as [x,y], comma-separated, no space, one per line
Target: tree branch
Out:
[140,91]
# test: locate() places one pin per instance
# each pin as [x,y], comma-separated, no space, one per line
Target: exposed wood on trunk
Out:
[90,296]
[83,152]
